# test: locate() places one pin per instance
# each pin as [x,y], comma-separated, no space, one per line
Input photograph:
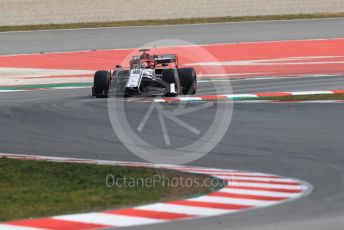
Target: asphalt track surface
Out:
[304,141]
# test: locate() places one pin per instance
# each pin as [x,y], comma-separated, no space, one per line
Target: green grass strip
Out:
[179,21]
[39,188]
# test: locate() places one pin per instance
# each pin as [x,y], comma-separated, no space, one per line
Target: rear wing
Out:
[166,58]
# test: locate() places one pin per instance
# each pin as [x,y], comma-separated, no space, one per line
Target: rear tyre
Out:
[170,76]
[188,80]
[101,85]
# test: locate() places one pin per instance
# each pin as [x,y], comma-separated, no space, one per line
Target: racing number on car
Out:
[134,78]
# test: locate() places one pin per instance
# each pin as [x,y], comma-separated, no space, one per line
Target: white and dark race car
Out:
[148,75]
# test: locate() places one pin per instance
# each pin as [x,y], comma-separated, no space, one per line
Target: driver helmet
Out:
[144,65]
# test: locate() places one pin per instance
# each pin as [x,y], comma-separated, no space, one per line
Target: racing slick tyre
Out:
[188,80]
[170,76]
[119,80]
[101,85]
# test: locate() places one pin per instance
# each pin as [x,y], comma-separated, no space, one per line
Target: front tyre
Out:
[101,84]
[170,76]
[188,80]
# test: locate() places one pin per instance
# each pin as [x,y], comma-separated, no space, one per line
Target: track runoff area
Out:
[255,60]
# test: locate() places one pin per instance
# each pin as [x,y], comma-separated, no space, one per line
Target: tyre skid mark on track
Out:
[237,195]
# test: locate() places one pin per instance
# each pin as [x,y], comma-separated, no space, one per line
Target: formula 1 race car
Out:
[147,75]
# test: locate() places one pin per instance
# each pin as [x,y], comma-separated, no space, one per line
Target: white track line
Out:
[189,210]
[259,185]
[108,219]
[258,193]
[234,178]
[236,201]
[13,227]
